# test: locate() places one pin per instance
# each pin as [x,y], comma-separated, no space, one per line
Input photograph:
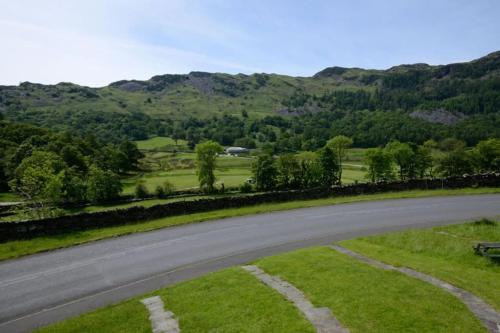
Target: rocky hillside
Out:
[446,94]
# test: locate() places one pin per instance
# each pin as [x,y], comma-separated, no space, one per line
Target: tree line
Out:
[61,168]
[394,161]
[334,113]
[311,131]
[49,168]
[413,161]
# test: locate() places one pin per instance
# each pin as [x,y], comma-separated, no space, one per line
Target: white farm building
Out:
[236,150]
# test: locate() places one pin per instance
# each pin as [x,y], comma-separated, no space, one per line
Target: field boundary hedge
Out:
[135,214]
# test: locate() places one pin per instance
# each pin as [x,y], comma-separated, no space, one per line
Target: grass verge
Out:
[444,252]
[227,301]
[14,249]
[363,298]
[128,316]
[367,299]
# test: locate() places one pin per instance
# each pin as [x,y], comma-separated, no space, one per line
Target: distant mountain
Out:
[444,94]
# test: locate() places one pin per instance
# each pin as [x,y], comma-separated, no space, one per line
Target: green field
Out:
[232,171]
[179,169]
[363,298]
[161,144]
[18,248]
[353,173]
[229,176]
[161,164]
[356,155]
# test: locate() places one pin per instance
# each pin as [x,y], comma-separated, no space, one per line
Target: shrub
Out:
[485,221]
[141,191]
[246,188]
[159,191]
[168,188]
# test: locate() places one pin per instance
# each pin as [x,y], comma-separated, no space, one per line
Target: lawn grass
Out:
[19,248]
[363,298]
[158,143]
[368,299]
[444,252]
[9,197]
[227,301]
[232,301]
[127,316]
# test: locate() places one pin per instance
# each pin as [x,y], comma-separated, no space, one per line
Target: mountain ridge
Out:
[458,94]
[494,54]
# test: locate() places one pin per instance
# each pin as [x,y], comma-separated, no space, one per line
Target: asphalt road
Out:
[44,288]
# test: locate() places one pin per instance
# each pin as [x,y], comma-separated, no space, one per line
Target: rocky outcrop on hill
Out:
[439,116]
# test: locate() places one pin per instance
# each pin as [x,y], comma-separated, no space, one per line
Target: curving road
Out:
[44,288]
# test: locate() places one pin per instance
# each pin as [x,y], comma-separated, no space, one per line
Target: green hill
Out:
[446,100]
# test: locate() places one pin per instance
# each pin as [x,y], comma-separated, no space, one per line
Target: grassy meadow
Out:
[179,169]
[166,161]
[363,298]
[161,144]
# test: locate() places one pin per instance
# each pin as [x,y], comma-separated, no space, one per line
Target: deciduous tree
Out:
[102,185]
[379,163]
[311,170]
[265,172]
[339,145]
[329,166]
[37,175]
[404,157]
[206,154]
[487,155]
[288,171]
[455,163]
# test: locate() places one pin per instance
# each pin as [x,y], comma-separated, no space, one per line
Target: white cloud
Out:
[51,47]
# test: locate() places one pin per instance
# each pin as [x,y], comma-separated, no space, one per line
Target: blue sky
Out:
[95,42]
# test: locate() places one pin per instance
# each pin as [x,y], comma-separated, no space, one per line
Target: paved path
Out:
[48,287]
[161,321]
[321,318]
